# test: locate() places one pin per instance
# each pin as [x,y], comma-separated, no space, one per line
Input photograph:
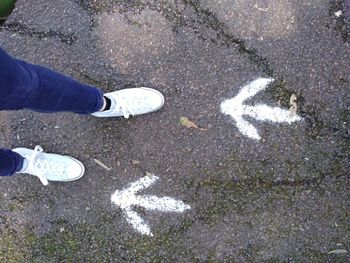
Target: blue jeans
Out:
[27,86]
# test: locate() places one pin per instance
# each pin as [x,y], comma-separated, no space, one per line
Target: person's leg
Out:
[27,86]
[10,162]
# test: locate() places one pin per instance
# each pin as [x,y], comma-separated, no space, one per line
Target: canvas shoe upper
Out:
[49,166]
[134,101]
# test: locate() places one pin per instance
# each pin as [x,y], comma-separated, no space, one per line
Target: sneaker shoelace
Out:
[122,104]
[39,167]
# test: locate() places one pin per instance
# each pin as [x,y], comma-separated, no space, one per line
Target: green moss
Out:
[61,222]
[13,206]
[59,245]
[14,246]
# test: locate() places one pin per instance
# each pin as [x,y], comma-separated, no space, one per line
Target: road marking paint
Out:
[127,198]
[235,108]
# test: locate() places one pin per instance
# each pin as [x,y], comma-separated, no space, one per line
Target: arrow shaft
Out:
[164,204]
[266,113]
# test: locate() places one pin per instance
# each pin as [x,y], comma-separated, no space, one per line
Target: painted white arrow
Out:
[127,198]
[235,108]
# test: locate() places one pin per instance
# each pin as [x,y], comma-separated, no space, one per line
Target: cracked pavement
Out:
[284,198]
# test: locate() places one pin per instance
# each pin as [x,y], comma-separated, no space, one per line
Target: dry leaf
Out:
[261,9]
[293,105]
[184,121]
[102,164]
[338,13]
[338,251]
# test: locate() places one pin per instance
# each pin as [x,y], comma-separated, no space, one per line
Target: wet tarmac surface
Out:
[283,198]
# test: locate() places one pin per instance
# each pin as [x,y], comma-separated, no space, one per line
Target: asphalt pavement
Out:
[264,179]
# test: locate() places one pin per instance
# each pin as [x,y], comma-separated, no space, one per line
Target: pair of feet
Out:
[55,167]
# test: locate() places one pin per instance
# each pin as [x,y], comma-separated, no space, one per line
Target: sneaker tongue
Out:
[108,103]
[25,165]
[113,102]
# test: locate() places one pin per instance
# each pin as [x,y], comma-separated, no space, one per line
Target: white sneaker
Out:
[135,101]
[49,166]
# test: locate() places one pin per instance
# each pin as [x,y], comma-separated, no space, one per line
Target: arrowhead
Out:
[234,106]
[247,129]
[252,89]
[138,222]
[128,197]
[236,109]
[123,199]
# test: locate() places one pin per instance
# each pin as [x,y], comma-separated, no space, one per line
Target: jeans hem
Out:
[99,103]
[19,162]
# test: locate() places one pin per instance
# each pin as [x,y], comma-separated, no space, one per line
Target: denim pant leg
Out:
[10,162]
[27,86]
